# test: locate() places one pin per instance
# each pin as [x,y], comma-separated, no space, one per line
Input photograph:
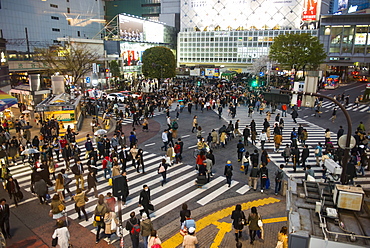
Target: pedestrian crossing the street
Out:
[315,135]
[180,187]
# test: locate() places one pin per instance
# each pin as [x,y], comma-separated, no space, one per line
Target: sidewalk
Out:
[213,222]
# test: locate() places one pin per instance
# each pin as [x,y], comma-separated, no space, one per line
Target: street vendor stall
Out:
[62,108]
[6,101]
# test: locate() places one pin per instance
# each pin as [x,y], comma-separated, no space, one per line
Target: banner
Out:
[309,10]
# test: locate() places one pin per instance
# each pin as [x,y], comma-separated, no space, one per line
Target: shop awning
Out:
[6,101]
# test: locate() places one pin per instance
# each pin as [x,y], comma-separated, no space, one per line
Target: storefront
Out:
[62,108]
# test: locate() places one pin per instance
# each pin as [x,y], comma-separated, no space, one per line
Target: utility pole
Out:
[349,130]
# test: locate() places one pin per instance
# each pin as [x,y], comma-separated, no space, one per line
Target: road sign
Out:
[88,80]
[94,80]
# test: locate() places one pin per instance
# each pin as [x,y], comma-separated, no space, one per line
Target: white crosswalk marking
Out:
[315,135]
[180,187]
[351,106]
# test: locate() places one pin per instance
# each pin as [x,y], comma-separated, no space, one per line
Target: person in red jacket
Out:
[63,142]
[107,165]
[200,158]
[177,149]
[284,109]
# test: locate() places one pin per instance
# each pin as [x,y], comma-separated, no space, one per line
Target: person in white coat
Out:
[62,234]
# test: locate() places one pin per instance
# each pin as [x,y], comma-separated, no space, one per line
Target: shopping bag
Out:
[267,183]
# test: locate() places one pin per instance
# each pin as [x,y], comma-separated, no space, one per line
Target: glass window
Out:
[347,41]
[360,38]
[335,38]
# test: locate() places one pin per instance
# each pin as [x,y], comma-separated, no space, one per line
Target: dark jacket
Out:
[254,172]
[305,153]
[236,216]
[40,187]
[5,213]
[76,170]
[131,222]
[144,197]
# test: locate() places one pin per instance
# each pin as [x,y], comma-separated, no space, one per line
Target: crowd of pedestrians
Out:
[121,151]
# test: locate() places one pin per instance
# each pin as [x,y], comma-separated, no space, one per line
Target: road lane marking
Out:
[212,219]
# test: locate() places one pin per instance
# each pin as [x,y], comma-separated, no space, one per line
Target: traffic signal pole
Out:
[349,130]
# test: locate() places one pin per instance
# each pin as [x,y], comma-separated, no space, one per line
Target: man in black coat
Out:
[4,218]
[305,154]
[106,145]
[255,157]
[144,200]
[246,135]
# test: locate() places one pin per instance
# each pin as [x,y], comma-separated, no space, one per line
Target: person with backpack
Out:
[133,227]
[100,210]
[162,169]
[264,176]
[239,220]
[278,178]
[228,172]
[146,228]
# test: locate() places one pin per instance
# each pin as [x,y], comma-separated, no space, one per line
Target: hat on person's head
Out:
[144,216]
[191,230]
[228,162]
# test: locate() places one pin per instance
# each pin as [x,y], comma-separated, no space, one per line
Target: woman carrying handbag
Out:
[61,235]
[239,221]
[255,224]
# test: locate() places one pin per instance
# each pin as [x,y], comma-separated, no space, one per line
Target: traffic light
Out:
[106,70]
[199,83]
[254,83]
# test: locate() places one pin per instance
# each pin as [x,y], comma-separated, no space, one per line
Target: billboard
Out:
[135,29]
[131,28]
[309,10]
[342,5]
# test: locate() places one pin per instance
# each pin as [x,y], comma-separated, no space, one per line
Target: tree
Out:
[159,62]
[73,60]
[298,51]
[114,69]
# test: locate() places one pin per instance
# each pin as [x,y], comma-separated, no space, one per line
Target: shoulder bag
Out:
[54,242]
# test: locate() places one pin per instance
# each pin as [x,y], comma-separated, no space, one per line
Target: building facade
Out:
[346,39]
[234,33]
[26,24]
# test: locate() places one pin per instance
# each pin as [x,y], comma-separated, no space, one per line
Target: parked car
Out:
[113,96]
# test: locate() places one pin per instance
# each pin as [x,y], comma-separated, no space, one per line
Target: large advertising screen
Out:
[132,52]
[135,29]
[309,10]
[131,28]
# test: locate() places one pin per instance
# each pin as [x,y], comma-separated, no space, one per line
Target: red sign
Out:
[309,10]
